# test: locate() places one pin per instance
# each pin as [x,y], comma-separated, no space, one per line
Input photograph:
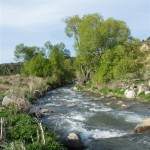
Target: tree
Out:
[37,66]
[123,61]
[93,36]
[26,53]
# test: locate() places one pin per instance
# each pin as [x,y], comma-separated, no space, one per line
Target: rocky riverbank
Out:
[137,90]
[18,93]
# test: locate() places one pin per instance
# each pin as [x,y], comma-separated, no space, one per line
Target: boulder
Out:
[124,106]
[147,92]
[142,88]
[35,113]
[144,126]
[7,101]
[43,110]
[109,103]
[73,142]
[18,103]
[130,93]
[119,103]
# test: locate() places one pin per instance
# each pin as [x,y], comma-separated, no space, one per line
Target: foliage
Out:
[10,68]
[124,61]
[26,53]
[118,92]
[105,49]
[56,64]
[145,97]
[52,80]
[104,90]
[21,127]
[37,66]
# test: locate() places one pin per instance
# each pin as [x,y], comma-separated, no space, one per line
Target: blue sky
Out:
[33,22]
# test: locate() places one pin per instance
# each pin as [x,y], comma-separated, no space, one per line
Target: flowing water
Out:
[101,126]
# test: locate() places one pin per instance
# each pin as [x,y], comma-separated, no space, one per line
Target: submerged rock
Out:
[124,106]
[144,126]
[73,142]
[119,103]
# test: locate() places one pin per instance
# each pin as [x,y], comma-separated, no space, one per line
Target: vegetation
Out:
[10,69]
[105,49]
[21,86]
[50,61]
[23,132]
[105,53]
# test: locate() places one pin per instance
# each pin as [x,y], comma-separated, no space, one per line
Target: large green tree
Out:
[97,41]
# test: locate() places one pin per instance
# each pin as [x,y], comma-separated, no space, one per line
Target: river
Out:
[101,126]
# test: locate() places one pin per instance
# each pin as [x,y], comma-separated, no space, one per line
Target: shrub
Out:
[21,127]
[104,90]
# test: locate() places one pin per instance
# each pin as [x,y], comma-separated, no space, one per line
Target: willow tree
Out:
[93,36]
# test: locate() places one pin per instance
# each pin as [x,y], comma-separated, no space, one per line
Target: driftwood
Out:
[2,129]
[42,133]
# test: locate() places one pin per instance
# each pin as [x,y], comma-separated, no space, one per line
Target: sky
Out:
[33,22]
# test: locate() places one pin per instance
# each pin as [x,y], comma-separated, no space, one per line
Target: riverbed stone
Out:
[44,110]
[124,106]
[119,103]
[73,141]
[130,93]
[147,92]
[144,126]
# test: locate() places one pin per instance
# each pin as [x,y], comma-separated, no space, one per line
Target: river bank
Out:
[18,128]
[118,90]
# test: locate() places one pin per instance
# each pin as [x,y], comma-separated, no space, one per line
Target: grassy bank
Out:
[20,131]
[109,90]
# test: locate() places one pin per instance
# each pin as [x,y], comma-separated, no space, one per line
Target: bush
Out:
[10,68]
[118,92]
[22,128]
[52,80]
[105,90]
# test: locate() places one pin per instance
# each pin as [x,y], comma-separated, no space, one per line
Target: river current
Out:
[97,119]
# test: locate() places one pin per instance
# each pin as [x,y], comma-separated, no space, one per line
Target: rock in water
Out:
[73,142]
[44,110]
[144,126]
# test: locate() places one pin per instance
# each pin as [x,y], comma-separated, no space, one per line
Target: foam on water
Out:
[87,134]
[78,117]
[52,104]
[97,134]
[104,109]
[130,116]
